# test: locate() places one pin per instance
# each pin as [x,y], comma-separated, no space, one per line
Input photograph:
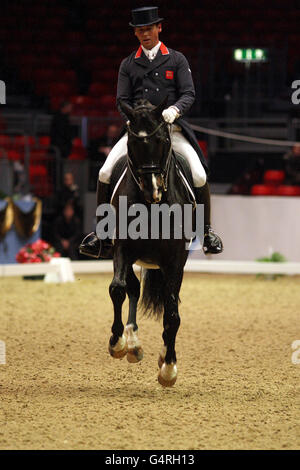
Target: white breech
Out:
[180,145]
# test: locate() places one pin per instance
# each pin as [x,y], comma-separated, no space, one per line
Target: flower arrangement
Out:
[37,252]
[274,257]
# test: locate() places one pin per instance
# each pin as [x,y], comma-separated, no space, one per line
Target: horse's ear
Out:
[159,109]
[128,110]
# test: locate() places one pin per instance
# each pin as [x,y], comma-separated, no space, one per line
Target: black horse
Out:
[151,174]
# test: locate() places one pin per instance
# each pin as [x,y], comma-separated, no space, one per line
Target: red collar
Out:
[163,49]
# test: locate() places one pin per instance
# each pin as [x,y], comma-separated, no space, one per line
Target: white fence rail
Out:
[62,270]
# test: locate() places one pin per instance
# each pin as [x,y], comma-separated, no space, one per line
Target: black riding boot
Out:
[91,245]
[212,243]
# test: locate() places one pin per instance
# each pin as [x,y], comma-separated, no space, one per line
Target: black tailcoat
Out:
[168,74]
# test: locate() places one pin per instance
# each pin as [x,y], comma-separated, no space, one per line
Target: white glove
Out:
[170,114]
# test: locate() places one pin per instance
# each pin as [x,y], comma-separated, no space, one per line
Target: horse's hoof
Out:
[135,355]
[160,361]
[119,350]
[161,357]
[167,375]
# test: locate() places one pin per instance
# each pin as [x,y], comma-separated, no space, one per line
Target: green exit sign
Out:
[250,55]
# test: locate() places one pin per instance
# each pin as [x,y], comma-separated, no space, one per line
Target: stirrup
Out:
[90,246]
[212,243]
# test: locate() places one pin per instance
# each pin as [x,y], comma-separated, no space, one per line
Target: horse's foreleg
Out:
[167,358]
[135,352]
[117,290]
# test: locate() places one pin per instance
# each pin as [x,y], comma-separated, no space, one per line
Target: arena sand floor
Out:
[237,387]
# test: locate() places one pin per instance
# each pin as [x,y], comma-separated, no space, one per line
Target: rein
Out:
[147,136]
[164,173]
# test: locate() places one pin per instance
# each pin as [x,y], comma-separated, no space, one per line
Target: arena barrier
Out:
[62,269]
[201,266]
[58,270]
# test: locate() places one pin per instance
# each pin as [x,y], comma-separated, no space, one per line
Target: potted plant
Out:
[39,251]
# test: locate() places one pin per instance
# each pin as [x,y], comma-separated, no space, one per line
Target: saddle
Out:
[182,169]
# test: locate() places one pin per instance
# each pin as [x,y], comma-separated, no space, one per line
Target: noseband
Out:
[146,169]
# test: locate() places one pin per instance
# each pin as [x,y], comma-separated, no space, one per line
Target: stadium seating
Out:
[95,48]
[286,190]
[46,51]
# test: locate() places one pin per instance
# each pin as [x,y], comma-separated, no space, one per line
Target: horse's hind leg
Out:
[167,358]
[117,290]
[135,352]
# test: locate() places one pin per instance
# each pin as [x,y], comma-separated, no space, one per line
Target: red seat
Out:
[15,156]
[77,142]
[90,51]
[45,74]
[5,141]
[98,89]
[100,63]
[96,130]
[44,140]
[81,111]
[56,101]
[22,140]
[61,88]
[67,76]
[107,102]
[286,190]
[77,155]
[109,75]
[262,190]
[274,177]
[79,100]
[37,170]
[82,104]
[38,155]
[40,181]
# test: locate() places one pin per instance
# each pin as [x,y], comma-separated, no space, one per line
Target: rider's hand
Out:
[170,114]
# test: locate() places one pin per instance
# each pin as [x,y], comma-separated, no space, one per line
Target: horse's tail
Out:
[152,301]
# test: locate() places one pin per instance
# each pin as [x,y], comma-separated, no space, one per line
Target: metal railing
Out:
[52,167]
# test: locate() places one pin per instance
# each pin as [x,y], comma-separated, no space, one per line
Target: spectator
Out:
[98,151]
[109,140]
[67,233]
[101,147]
[69,194]
[20,180]
[61,129]
[292,165]
[251,176]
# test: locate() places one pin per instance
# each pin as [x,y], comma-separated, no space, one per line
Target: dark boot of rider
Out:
[212,243]
[91,245]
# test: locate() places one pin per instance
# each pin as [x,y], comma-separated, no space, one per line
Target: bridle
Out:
[146,169]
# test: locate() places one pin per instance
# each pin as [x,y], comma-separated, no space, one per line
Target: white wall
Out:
[250,226]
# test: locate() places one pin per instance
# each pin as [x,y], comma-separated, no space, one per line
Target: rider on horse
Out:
[151,73]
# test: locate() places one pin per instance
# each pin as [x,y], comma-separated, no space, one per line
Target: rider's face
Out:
[148,35]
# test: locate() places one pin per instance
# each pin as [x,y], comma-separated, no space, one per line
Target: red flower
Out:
[37,252]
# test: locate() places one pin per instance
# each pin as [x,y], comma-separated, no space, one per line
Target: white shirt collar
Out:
[151,53]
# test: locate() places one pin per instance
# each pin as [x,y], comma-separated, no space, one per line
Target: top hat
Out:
[145,16]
